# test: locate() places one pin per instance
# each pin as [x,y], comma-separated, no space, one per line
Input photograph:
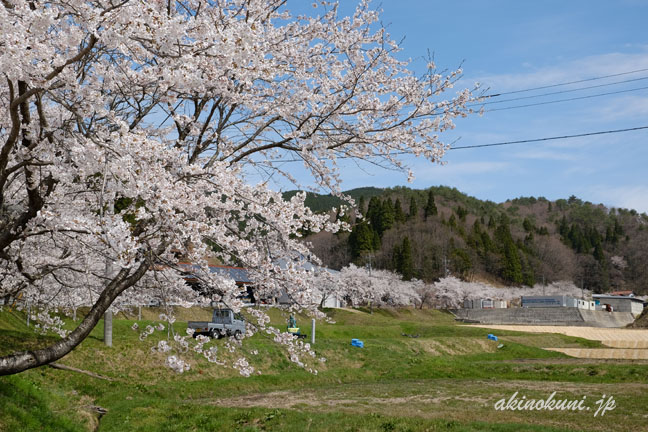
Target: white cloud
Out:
[630,197]
[460,169]
[546,155]
[584,68]
[624,108]
[473,177]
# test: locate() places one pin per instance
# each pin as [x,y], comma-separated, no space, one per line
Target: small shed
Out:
[621,303]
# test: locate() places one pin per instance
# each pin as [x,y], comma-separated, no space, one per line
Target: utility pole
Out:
[370,304]
[543,284]
[370,255]
[108,316]
[110,206]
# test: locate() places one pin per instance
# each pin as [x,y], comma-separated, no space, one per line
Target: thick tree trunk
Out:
[21,361]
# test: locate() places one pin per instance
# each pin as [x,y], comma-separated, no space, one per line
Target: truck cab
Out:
[223,322]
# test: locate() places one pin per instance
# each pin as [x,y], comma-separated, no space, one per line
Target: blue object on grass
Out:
[357,343]
[492,337]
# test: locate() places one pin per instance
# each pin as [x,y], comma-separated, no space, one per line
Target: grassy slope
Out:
[448,378]
[641,321]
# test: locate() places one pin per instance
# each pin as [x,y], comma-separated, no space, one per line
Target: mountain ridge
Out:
[427,233]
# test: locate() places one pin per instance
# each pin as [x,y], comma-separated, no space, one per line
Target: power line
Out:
[567,83]
[556,92]
[549,138]
[566,100]
[503,143]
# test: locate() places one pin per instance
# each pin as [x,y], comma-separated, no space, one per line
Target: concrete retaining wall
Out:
[607,319]
[545,316]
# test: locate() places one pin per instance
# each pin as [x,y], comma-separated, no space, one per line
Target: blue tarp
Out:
[492,337]
[357,343]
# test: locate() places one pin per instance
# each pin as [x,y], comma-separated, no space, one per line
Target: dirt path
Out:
[604,353]
[461,400]
[592,333]
[626,344]
[477,392]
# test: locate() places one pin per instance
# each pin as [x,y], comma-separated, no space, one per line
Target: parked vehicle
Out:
[224,322]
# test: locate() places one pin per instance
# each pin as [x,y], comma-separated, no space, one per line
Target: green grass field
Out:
[447,379]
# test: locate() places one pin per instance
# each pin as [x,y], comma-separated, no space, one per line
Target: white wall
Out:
[637,308]
[332,302]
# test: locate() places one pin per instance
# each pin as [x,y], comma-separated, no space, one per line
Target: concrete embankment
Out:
[545,316]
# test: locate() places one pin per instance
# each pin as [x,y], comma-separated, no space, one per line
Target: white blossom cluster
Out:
[46,322]
[177,364]
[177,346]
[362,286]
[243,367]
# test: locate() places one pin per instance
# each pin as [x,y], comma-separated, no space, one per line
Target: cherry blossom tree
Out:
[128,128]
[450,292]
[376,287]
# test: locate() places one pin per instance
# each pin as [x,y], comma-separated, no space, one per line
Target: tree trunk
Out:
[23,360]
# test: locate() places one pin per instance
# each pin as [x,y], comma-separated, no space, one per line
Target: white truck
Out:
[224,322]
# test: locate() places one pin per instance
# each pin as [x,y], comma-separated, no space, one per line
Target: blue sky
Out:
[513,45]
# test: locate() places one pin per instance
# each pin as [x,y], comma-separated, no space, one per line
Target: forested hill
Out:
[424,233]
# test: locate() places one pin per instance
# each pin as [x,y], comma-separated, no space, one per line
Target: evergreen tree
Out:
[491,222]
[593,236]
[527,225]
[487,242]
[461,262]
[528,241]
[406,263]
[361,239]
[413,208]
[386,219]
[399,214]
[362,204]
[511,267]
[430,207]
[609,235]
[397,258]
[598,252]
[477,227]
[578,240]
[462,213]
[475,239]
[452,222]
[563,228]
[432,265]
[375,240]
[528,275]
[373,213]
